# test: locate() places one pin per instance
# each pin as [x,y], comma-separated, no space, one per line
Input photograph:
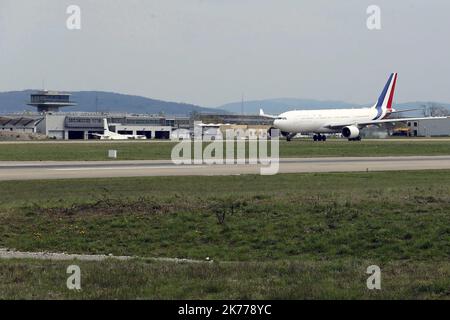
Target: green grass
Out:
[159,151]
[284,236]
[380,216]
[269,280]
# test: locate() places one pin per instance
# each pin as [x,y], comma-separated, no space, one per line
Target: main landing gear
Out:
[319,137]
[355,139]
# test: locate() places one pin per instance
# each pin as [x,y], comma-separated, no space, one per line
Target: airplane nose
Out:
[278,123]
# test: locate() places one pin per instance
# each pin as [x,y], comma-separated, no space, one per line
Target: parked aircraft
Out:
[110,135]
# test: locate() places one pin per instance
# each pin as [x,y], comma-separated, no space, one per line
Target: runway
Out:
[89,142]
[10,171]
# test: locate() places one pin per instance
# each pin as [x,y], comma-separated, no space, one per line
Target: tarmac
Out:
[415,139]
[10,171]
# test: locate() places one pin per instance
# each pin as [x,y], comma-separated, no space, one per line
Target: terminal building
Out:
[50,121]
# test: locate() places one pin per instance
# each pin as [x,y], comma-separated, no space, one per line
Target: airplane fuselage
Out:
[318,121]
[114,136]
[110,135]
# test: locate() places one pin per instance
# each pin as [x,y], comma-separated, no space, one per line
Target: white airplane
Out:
[349,122]
[110,135]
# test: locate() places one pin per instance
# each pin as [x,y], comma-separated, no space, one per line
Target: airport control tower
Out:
[50,101]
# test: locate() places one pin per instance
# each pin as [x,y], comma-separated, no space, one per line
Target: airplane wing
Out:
[406,110]
[374,122]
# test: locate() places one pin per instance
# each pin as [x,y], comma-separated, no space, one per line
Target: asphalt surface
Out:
[6,142]
[114,169]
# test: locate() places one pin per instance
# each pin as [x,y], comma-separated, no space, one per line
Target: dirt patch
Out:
[107,207]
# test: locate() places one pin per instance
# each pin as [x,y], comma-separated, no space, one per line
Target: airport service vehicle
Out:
[110,135]
[348,122]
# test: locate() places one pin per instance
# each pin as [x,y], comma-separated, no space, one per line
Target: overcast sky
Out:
[209,52]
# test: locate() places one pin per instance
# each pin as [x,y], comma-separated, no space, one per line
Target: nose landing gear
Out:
[290,136]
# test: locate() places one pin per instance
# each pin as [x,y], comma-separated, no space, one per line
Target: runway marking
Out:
[126,168]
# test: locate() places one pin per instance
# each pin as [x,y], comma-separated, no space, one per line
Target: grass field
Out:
[286,236]
[340,279]
[159,151]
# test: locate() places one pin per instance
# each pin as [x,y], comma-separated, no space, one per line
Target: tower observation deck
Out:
[50,101]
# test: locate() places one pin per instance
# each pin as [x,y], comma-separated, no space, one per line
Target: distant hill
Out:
[91,101]
[278,106]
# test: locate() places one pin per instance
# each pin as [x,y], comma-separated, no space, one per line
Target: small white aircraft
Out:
[110,135]
[349,122]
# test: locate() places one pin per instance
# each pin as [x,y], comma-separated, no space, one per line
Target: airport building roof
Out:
[19,121]
[234,119]
[48,92]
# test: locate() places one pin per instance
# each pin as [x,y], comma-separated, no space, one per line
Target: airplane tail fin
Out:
[105,125]
[262,114]
[384,103]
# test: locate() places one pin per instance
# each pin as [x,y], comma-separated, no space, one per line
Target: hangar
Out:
[24,124]
[430,128]
[82,126]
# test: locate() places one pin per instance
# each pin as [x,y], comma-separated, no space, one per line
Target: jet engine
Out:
[350,132]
